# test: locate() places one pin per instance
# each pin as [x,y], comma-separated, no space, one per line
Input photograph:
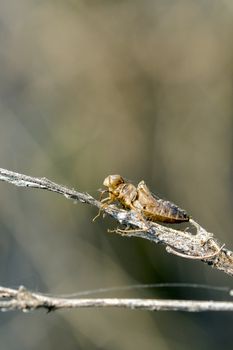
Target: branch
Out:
[202,245]
[24,300]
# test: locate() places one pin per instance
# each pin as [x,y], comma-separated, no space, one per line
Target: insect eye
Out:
[113,181]
[116,180]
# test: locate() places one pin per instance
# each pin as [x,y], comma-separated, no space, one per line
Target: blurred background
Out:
[91,88]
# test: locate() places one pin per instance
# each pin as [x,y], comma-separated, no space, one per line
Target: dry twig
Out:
[24,300]
[201,246]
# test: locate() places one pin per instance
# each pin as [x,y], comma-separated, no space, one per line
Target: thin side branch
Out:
[24,300]
[202,245]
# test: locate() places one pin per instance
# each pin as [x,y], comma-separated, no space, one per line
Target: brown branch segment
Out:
[202,245]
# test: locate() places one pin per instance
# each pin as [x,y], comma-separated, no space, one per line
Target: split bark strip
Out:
[202,245]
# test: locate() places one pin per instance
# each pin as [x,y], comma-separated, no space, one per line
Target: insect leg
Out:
[111,198]
[140,217]
[126,231]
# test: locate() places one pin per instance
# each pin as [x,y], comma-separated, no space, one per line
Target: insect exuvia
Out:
[142,200]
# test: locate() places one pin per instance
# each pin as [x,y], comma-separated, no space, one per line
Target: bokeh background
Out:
[97,87]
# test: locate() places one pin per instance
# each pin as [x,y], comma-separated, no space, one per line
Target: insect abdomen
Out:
[166,211]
